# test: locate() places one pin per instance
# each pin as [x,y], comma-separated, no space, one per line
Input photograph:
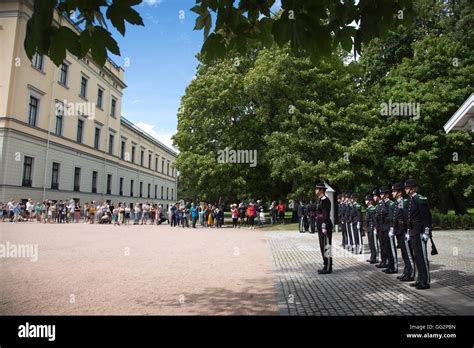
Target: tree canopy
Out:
[324,120]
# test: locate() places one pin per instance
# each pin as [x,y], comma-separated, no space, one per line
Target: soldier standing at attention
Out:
[376,198]
[356,219]
[324,226]
[348,219]
[339,217]
[345,239]
[399,225]
[383,227]
[370,220]
[387,233]
[419,232]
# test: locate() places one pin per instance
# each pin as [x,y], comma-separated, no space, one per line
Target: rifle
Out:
[434,251]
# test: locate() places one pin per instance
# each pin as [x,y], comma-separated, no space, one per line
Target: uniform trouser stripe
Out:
[425,259]
[394,252]
[412,264]
[361,245]
[376,243]
[352,233]
[348,232]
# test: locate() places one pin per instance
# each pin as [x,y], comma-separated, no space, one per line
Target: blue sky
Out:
[162,63]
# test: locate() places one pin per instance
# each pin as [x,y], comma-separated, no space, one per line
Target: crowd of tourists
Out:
[69,211]
[202,214]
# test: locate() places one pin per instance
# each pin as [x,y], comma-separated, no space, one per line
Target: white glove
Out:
[407,236]
[426,235]
[324,228]
[358,225]
[390,233]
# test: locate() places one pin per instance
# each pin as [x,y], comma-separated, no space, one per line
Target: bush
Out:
[449,222]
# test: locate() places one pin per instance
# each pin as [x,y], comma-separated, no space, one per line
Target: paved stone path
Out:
[357,288]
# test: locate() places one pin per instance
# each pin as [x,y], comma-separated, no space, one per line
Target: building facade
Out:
[62,135]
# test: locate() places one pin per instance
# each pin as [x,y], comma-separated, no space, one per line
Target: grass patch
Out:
[279,227]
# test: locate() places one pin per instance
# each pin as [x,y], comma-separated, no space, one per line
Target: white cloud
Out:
[152,2]
[162,134]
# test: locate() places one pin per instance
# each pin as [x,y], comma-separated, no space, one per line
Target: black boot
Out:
[322,270]
[422,286]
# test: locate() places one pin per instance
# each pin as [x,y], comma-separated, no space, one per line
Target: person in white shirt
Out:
[30,207]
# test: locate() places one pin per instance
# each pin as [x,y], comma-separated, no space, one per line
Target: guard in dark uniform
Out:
[399,227]
[312,216]
[419,232]
[370,222]
[340,219]
[376,199]
[324,226]
[345,236]
[387,232]
[383,225]
[302,217]
[356,221]
[348,219]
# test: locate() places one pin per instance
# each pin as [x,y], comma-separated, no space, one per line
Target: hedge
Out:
[450,222]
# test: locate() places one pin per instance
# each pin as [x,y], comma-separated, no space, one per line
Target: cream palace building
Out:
[62,135]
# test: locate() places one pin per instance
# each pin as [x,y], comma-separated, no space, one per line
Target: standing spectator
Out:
[121,213]
[281,212]
[294,211]
[91,212]
[273,213]
[217,217]
[234,212]
[242,213]
[30,209]
[86,212]
[173,209]
[115,213]
[251,211]
[210,219]
[16,213]
[137,211]
[194,214]
[202,209]
[37,212]
[127,215]
[77,212]
[260,212]
[146,213]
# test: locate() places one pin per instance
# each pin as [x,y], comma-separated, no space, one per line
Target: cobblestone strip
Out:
[354,288]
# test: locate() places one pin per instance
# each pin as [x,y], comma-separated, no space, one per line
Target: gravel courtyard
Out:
[102,269]
[159,270]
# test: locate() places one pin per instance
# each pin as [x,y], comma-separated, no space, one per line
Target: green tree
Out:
[439,76]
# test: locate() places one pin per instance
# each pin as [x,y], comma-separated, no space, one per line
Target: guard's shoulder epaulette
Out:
[422,197]
[358,206]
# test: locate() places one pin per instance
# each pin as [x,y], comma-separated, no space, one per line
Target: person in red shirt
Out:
[281,212]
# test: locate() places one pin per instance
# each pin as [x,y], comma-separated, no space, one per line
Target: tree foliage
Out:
[312,28]
[322,120]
